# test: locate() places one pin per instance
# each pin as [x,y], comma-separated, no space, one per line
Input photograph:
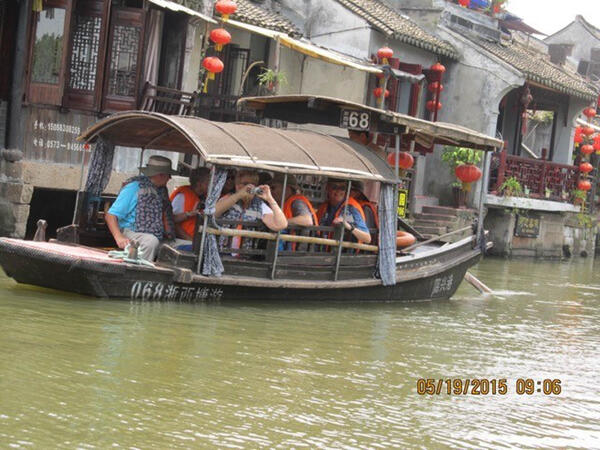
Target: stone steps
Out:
[440,211]
[432,231]
[438,217]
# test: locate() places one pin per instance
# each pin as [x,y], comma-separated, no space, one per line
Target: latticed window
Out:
[84,52]
[122,79]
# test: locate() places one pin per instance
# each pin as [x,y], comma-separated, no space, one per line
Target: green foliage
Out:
[579,194]
[455,156]
[545,117]
[270,77]
[511,187]
[585,220]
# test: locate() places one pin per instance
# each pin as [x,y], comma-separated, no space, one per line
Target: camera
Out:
[256,191]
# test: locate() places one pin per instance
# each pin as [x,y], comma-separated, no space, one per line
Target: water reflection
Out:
[79,372]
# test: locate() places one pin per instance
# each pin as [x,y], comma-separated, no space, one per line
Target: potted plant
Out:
[511,187]
[271,79]
[457,157]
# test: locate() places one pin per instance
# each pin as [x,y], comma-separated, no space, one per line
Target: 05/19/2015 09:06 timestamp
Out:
[487,386]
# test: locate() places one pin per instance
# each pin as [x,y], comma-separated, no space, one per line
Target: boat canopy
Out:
[243,145]
[328,111]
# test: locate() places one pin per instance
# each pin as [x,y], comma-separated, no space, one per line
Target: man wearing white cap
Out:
[142,211]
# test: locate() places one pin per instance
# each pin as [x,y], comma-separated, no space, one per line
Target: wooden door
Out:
[123,59]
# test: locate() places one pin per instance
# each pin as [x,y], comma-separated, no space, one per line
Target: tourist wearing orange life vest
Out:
[330,212]
[188,201]
[357,192]
[297,209]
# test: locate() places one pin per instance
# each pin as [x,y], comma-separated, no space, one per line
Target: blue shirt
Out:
[125,204]
[352,216]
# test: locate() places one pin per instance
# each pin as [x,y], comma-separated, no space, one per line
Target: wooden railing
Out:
[221,108]
[543,179]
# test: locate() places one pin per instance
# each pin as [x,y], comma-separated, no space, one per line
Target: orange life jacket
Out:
[351,202]
[287,207]
[190,201]
[367,204]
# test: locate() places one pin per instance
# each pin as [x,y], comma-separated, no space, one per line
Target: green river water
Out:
[77,372]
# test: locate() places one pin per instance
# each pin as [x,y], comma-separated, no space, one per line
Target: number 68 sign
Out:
[355,120]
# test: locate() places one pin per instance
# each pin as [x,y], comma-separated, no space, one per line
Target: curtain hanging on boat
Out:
[100,167]
[388,199]
[211,264]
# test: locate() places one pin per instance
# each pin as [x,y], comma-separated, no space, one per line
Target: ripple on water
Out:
[76,372]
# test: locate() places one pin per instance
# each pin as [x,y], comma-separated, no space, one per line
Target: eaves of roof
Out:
[538,69]
[397,26]
[255,15]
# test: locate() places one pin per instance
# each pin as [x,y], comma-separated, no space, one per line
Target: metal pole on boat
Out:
[484,186]
[285,178]
[80,187]
[205,223]
[339,250]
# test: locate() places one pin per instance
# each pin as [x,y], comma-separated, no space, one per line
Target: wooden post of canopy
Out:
[339,251]
[282,202]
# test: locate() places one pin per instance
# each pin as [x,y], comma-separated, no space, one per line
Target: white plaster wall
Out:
[575,34]
[328,23]
[308,75]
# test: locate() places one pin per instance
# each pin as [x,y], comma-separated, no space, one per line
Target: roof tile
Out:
[537,68]
[398,26]
[255,15]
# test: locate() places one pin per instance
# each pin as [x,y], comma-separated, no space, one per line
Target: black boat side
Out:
[429,275]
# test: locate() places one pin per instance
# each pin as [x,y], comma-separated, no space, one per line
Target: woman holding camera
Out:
[250,203]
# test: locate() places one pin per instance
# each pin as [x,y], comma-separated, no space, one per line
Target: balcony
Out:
[540,179]
[221,108]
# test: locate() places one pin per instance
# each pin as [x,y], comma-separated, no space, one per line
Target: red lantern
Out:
[384,53]
[467,173]
[437,67]
[431,105]
[578,139]
[584,185]
[434,86]
[221,37]
[589,112]
[464,3]
[588,131]
[213,65]
[225,8]
[587,149]
[597,142]
[377,92]
[585,167]
[578,130]
[405,160]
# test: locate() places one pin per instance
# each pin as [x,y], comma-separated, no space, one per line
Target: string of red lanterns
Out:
[220,37]
[588,143]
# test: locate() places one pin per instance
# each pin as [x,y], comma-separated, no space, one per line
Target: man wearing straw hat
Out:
[142,211]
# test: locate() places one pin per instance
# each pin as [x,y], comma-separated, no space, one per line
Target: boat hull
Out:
[426,278]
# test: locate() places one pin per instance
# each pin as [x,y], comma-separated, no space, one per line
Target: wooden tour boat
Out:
[322,267]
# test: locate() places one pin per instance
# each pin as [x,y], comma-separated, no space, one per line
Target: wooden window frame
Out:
[82,99]
[46,93]
[129,17]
